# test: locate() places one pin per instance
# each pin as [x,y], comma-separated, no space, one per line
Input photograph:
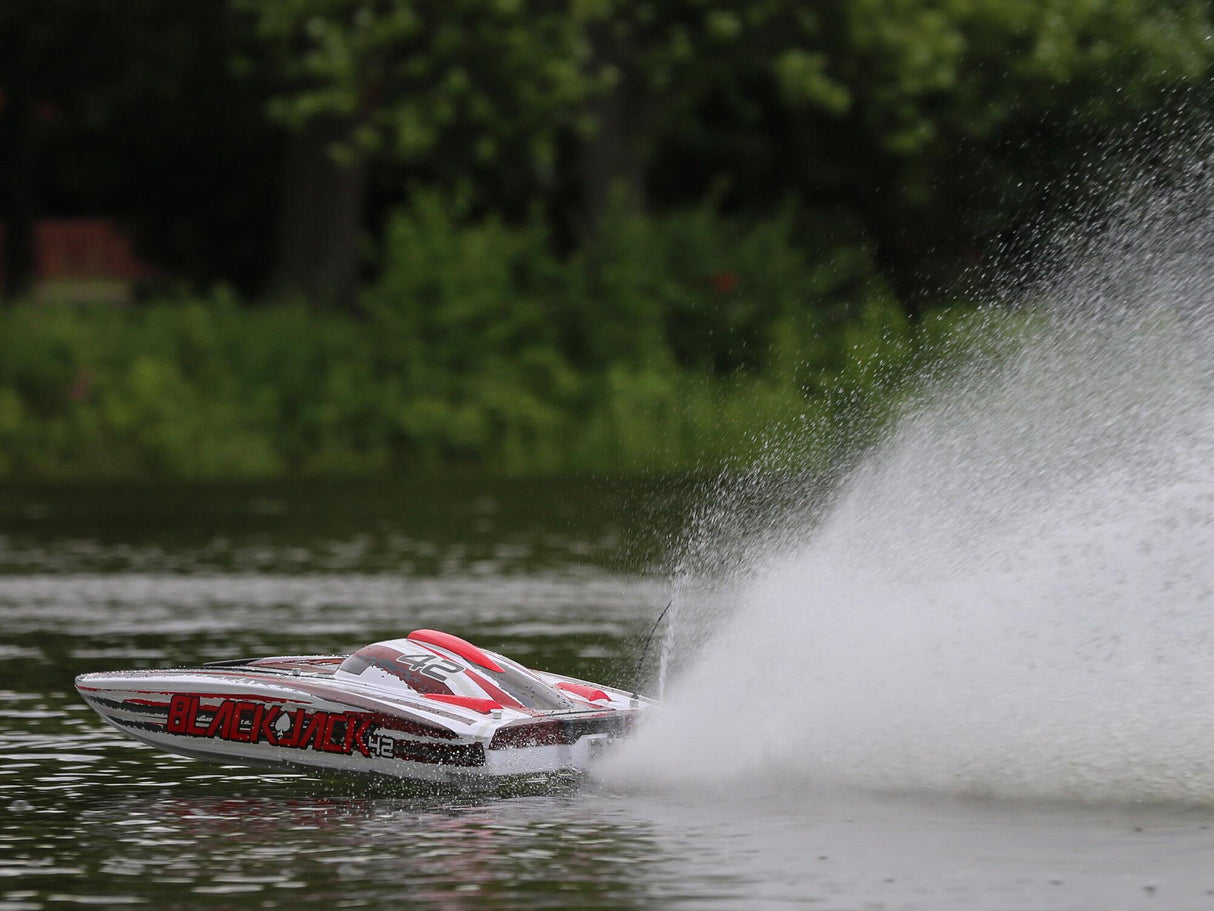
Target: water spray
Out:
[1012,593]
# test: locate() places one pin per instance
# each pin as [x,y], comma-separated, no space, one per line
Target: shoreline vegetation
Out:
[677,346]
[534,239]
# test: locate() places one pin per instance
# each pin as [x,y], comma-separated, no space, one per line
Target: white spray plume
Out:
[1014,593]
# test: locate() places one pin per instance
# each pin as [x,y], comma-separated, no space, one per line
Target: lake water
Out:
[566,576]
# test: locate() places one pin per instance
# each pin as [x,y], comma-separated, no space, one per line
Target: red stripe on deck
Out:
[456,646]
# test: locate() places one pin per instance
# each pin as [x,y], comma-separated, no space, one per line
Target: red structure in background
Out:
[84,260]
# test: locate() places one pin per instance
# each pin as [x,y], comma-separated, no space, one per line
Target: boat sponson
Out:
[553,731]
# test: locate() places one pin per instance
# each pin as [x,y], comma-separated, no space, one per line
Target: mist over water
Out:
[1013,594]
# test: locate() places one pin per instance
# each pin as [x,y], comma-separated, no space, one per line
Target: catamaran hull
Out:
[297,713]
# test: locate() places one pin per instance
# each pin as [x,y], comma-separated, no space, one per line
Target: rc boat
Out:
[430,706]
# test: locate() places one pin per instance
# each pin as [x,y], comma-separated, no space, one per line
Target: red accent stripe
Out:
[484,706]
[589,693]
[494,692]
[456,646]
[322,689]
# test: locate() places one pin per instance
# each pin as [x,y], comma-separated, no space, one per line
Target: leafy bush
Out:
[673,343]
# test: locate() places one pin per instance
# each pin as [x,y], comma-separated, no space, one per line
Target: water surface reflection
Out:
[90,818]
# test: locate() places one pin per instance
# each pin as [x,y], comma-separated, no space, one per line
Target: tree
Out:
[940,127]
[660,70]
[443,86]
[962,117]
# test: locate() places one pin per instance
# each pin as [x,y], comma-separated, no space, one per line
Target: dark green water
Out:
[557,574]
[565,576]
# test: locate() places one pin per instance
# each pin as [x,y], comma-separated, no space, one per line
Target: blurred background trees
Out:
[263,143]
[531,205]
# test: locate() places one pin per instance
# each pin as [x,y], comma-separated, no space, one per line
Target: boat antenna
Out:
[636,675]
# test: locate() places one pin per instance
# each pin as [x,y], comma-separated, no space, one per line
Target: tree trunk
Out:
[321,220]
[612,159]
[613,169]
[21,194]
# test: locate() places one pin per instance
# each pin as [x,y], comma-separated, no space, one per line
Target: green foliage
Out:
[674,347]
[928,122]
[939,126]
[720,296]
[416,78]
[972,116]
[917,135]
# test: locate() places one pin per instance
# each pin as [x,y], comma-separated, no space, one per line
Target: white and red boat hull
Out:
[312,712]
